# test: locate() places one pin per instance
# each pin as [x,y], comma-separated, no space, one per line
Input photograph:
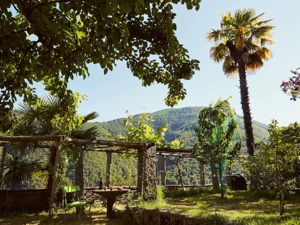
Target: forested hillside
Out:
[181,123]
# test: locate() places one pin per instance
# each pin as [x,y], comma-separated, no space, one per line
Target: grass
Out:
[137,200]
[98,216]
[246,208]
[243,207]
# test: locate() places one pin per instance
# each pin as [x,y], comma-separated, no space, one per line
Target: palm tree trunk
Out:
[246,106]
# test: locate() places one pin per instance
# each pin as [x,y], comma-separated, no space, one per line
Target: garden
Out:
[209,167]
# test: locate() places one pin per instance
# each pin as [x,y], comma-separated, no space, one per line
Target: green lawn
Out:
[241,207]
[98,216]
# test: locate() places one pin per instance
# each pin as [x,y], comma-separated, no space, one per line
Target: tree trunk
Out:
[221,180]
[214,176]
[179,170]
[180,176]
[281,202]
[246,105]
[202,173]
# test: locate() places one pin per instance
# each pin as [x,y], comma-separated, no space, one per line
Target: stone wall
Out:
[186,187]
[23,200]
[156,217]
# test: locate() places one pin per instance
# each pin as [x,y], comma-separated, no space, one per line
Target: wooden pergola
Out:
[57,141]
[146,154]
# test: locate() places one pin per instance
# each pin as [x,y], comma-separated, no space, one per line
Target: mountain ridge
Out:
[181,123]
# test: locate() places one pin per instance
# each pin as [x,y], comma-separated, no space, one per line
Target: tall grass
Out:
[157,204]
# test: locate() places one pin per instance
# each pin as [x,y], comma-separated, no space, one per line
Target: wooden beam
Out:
[163,170]
[108,168]
[108,150]
[170,150]
[55,175]
[31,138]
[110,143]
[177,155]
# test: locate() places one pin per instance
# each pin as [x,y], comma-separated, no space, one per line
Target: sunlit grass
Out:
[246,208]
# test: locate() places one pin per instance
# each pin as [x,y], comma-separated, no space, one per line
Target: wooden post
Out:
[108,165]
[79,181]
[4,150]
[202,172]
[140,170]
[55,176]
[149,174]
[163,170]
[214,176]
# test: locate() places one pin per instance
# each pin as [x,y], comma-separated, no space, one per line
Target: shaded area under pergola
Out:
[146,154]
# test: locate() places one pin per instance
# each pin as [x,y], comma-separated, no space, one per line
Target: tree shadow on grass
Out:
[60,218]
[242,207]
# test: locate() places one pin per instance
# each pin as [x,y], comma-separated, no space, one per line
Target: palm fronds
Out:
[37,121]
[248,35]
[20,171]
[90,116]
[218,53]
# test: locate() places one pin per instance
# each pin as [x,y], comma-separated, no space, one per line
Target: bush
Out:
[262,174]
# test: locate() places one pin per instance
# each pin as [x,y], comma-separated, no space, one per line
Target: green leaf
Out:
[105,71]
[110,67]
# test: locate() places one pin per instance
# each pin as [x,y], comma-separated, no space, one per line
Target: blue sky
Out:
[112,94]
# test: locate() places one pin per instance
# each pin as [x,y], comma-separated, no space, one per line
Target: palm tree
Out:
[37,121]
[240,43]
[19,171]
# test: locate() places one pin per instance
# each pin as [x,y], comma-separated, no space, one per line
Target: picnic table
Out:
[110,195]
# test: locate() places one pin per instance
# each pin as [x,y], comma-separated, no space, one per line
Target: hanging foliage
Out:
[54,41]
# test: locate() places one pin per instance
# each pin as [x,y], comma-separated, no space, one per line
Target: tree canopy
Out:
[215,134]
[52,41]
[242,35]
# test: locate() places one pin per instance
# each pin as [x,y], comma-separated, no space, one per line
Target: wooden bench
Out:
[77,202]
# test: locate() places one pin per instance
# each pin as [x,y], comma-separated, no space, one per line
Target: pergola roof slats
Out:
[173,150]
[110,143]
[31,138]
